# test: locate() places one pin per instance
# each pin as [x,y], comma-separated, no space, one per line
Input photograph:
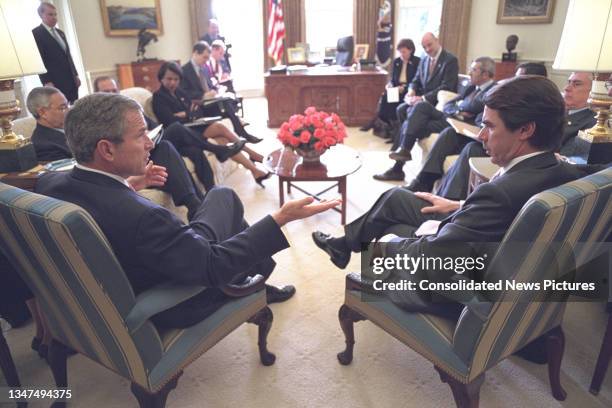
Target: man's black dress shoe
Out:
[250,138]
[390,175]
[401,154]
[230,150]
[367,127]
[338,257]
[277,295]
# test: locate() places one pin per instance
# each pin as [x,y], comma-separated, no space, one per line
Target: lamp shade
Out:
[586,41]
[19,54]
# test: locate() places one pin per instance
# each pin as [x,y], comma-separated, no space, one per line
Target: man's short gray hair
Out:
[40,98]
[487,64]
[43,5]
[95,117]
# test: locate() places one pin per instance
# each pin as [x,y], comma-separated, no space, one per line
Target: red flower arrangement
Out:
[315,130]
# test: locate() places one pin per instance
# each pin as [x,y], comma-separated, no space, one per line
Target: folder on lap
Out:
[393,94]
[464,128]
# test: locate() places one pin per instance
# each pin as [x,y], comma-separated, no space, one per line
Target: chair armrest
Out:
[249,286]
[157,299]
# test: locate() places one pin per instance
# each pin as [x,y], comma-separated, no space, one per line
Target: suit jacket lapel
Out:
[54,41]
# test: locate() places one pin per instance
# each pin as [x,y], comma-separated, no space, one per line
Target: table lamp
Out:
[19,57]
[586,46]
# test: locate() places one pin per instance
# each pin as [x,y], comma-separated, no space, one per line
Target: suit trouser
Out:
[190,144]
[220,217]
[421,120]
[225,109]
[179,184]
[454,184]
[448,143]
[397,211]
[387,111]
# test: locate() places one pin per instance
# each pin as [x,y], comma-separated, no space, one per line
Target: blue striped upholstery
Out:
[70,267]
[576,217]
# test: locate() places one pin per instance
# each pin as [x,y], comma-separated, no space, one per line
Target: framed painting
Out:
[124,18]
[525,11]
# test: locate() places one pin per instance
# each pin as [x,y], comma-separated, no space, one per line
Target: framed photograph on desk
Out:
[361,51]
[296,55]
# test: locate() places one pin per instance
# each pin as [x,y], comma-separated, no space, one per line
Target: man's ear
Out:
[527,131]
[106,150]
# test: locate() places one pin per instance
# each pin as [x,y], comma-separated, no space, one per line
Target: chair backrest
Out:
[344,51]
[137,93]
[555,231]
[144,97]
[64,258]
[24,126]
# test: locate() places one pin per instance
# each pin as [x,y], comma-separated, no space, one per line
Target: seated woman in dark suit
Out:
[171,105]
[404,69]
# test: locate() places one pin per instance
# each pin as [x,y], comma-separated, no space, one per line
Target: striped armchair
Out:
[90,307]
[555,231]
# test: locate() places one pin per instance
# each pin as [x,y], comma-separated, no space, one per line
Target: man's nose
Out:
[482,135]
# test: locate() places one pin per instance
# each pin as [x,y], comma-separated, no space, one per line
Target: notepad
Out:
[156,134]
[203,121]
[393,94]
[464,128]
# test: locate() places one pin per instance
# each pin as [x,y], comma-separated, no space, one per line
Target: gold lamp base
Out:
[594,145]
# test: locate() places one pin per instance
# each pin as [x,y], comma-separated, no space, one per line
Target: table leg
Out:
[342,191]
[281,191]
[288,187]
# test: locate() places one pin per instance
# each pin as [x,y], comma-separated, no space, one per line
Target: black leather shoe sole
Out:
[277,295]
[390,176]
[338,258]
[231,150]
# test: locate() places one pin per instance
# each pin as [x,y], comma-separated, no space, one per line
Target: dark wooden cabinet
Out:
[504,70]
[352,95]
[142,74]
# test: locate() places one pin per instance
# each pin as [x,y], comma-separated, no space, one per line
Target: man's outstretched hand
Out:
[302,208]
[154,176]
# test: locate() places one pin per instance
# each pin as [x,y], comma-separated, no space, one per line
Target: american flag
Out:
[276,30]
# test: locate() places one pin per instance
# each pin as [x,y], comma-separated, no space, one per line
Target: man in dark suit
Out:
[212,34]
[454,184]
[424,119]
[49,106]
[55,53]
[107,134]
[198,86]
[438,70]
[523,122]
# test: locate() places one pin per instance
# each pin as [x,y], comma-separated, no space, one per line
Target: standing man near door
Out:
[55,53]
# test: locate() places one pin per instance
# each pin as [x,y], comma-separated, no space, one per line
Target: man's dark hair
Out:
[530,98]
[169,66]
[406,43]
[200,47]
[533,68]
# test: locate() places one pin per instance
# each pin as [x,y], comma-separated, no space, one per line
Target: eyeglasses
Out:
[575,84]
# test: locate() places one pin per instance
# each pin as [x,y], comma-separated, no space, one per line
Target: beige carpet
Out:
[306,336]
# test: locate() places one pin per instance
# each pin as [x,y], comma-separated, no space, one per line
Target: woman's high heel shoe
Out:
[259,180]
[250,138]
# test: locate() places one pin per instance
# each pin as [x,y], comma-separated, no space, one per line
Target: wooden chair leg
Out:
[555,344]
[158,399]
[605,353]
[57,359]
[466,395]
[347,317]
[263,319]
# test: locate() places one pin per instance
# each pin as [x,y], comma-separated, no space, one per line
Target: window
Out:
[326,22]
[416,17]
[243,30]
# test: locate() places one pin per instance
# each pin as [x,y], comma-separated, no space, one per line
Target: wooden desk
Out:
[353,95]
